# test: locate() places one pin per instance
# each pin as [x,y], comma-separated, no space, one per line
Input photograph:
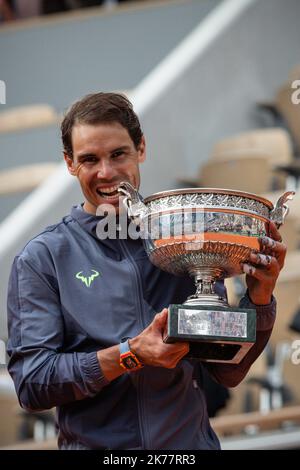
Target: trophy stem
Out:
[205,294]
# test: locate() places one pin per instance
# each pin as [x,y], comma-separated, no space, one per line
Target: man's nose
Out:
[105,170]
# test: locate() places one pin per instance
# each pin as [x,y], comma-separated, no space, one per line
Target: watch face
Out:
[130,363]
[128,359]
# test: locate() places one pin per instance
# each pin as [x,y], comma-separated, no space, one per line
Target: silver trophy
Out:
[207,233]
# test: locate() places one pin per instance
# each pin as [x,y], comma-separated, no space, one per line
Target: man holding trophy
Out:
[94,322]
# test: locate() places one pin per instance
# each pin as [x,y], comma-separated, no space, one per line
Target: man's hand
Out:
[150,348]
[264,267]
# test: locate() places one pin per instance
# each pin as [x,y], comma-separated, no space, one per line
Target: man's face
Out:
[103,156]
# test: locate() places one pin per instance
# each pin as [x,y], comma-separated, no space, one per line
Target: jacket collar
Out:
[87,221]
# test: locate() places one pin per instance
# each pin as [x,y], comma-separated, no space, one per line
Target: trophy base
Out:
[215,334]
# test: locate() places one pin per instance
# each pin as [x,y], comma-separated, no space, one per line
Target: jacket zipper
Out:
[138,289]
[139,378]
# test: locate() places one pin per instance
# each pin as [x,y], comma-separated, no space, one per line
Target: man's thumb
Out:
[161,318]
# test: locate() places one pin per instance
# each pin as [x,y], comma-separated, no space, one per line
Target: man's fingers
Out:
[274,232]
[255,271]
[262,262]
[169,355]
[262,259]
[180,350]
[263,265]
[271,244]
[160,320]
[161,316]
[274,248]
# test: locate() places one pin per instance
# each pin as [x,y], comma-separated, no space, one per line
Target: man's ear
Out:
[142,150]
[70,164]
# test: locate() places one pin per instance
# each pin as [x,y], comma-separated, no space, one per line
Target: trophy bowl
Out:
[207,233]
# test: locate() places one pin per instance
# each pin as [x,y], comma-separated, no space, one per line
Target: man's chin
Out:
[111,207]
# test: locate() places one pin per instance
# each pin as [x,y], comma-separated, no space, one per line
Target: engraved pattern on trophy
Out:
[224,258]
[211,200]
[214,322]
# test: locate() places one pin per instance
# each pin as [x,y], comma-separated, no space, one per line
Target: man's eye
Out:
[90,160]
[117,154]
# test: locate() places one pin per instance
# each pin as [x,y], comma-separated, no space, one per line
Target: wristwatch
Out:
[128,359]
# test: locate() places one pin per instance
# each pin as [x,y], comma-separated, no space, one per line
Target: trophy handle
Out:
[133,202]
[281,210]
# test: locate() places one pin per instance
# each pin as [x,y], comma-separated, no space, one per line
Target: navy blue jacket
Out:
[70,295]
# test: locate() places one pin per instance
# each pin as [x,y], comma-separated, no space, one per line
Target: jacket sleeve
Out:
[230,375]
[44,375]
